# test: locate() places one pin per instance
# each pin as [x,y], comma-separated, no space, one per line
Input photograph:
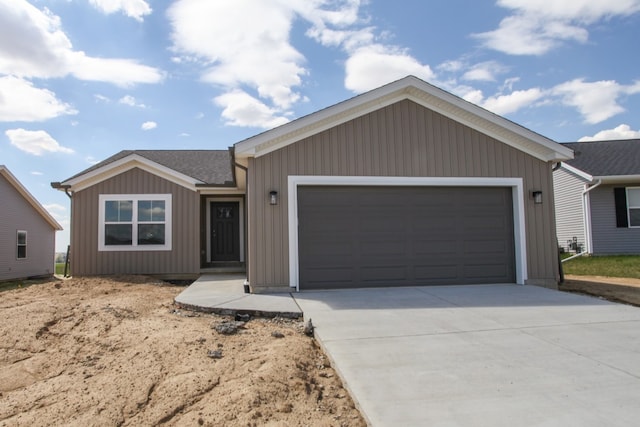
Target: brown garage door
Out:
[404,236]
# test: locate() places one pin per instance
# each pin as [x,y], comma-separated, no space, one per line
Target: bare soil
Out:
[615,289]
[116,352]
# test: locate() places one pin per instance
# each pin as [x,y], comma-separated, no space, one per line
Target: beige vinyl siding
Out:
[403,139]
[607,238]
[16,213]
[183,258]
[568,189]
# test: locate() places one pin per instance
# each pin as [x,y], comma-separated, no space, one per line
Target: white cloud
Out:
[596,101]
[55,208]
[148,125]
[35,142]
[36,173]
[248,35]
[135,9]
[484,71]
[131,101]
[253,60]
[474,96]
[620,132]
[241,109]
[537,26]
[33,45]
[375,65]
[21,101]
[505,104]
[101,98]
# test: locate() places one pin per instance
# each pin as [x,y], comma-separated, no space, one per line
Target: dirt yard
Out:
[107,352]
[615,289]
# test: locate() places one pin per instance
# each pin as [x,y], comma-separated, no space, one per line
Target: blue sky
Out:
[83,79]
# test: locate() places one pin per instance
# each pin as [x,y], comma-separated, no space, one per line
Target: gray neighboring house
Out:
[404,185]
[598,198]
[27,232]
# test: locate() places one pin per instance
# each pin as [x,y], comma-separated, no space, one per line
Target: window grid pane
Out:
[118,234]
[151,234]
[634,217]
[151,211]
[21,244]
[118,211]
[633,197]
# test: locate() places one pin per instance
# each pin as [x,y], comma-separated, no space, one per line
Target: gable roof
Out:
[29,198]
[606,159]
[418,91]
[189,168]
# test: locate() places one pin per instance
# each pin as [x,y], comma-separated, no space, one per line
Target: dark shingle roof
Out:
[606,158]
[209,166]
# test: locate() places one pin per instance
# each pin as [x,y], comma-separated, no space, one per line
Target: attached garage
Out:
[404,185]
[402,236]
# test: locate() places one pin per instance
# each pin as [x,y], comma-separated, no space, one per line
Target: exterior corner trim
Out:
[516,184]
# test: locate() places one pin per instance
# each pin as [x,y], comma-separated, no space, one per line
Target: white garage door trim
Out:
[516,185]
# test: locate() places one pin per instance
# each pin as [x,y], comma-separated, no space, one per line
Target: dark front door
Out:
[225,231]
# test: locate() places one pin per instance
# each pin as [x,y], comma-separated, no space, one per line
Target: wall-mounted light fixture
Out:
[537,197]
[273,197]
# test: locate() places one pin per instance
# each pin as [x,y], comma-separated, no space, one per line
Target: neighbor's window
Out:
[22,244]
[633,204]
[135,222]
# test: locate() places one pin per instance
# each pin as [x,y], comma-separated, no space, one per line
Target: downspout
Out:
[247,288]
[586,203]
[69,193]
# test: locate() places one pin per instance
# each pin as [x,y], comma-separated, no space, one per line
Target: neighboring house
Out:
[598,198]
[404,185]
[27,232]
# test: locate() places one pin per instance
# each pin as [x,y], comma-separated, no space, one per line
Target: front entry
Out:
[225,231]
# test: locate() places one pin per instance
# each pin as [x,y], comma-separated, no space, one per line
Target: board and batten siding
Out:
[403,139]
[182,259]
[607,238]
[568,189]
[16,213]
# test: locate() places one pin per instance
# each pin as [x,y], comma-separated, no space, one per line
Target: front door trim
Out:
[516,185]
[240,201]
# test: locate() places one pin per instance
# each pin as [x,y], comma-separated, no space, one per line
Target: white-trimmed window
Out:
[134,222]
[633,206]
[21,243]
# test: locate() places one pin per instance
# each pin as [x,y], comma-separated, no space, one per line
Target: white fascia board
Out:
[29,197]
[127,163]
[618,179]
[220,190]
[417,91]
[580,173]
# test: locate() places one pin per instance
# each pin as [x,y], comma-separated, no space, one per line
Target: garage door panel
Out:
[395,274]
[428,274]
[484,271]
[400,236]
[434,247]
[385,249]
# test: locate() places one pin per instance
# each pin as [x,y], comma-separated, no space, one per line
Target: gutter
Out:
[66,188]
[586,204]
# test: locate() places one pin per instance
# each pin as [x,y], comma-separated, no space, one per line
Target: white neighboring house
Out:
[27,232]
[597,198]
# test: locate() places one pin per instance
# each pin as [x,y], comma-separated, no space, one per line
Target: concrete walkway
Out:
[224,294]
[489,355]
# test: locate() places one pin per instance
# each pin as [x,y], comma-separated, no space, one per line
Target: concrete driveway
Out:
[489,355]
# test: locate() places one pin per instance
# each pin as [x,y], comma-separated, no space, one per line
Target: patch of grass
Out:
[17,284]
[610,266]
[60,268]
